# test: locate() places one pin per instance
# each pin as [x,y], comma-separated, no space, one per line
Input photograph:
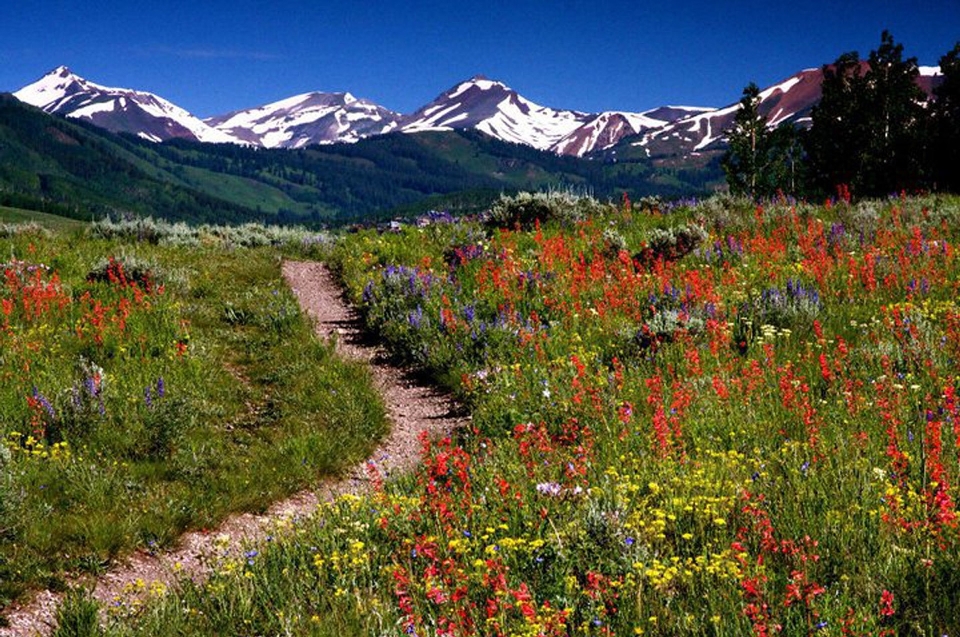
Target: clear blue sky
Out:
[223,55]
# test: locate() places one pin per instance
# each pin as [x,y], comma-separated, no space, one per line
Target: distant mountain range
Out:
[497,110]
[479,104]
[72,167]
[324,118]
[77,148]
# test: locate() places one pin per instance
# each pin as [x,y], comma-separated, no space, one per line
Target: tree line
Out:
[874,132]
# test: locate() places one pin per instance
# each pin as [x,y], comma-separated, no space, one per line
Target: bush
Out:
[15,229]
[127,270]
[139,228]
[613,243]
[651,204]
[526,209]
[160,232]
[671,244]
[10,494]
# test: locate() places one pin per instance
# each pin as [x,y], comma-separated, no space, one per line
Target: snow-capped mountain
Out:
[117,109]
[791,100]
[479,103]
[311,118]
[494,108]
[606,129]
[788,101]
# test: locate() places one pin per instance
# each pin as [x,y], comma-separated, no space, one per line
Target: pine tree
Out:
[760,162]
[868,128]
[787,170]
[745,160]
[944,158]
[895,112]
[839,131]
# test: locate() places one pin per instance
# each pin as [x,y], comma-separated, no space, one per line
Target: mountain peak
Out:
[309,118]
[55,85]
[121,110]
[481,82]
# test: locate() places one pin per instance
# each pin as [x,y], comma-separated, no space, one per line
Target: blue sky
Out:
[218,56]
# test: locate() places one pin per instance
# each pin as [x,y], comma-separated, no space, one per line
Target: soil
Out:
[412,406]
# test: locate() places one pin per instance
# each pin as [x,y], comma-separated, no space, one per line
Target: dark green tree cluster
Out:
[874,132]
[760,161]
[868,130]
[945,125]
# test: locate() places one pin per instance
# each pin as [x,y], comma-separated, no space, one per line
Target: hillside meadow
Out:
[154,379]
[708,418]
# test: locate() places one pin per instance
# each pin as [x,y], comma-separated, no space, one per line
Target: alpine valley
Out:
[88,149]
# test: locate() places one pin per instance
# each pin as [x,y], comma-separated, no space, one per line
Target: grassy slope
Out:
[256,408]
[54,222]
[758,438]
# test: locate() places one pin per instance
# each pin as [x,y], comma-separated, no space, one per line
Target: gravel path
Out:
[412,408]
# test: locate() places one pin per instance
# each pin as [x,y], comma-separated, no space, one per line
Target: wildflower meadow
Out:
[705,418]
[141,395]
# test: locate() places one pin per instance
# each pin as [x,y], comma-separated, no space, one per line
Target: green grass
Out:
[214,397]
[753,435]
[253,194]
[54,222]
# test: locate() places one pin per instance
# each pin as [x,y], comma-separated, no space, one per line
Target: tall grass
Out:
[756,434]
[149,389]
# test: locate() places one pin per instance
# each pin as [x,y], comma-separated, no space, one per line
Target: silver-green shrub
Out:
[527,208]
[10,493]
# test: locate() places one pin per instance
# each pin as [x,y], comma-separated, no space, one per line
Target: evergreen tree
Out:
[895,115]
[868,128]
[944,158]
[787,171]
[839,130]
[745,160]
[760,162]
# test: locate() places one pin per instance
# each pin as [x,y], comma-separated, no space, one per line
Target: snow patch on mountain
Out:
[782,87]
[497,110]
[309,118]
[117,109]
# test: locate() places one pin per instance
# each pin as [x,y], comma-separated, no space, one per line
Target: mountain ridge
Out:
[320,118]
[788,101]
[119,110]
[479,103]
[76,168]
[300,120]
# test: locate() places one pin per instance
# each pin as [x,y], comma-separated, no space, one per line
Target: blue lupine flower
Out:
[44,403]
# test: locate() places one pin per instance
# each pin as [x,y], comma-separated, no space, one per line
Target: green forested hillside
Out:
[74,169]
[59,166]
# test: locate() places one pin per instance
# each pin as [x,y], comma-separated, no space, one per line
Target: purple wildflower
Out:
[47,407]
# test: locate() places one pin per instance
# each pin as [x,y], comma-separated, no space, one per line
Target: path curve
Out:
[412,407]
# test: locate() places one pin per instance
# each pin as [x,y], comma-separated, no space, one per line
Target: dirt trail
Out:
[412,408]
